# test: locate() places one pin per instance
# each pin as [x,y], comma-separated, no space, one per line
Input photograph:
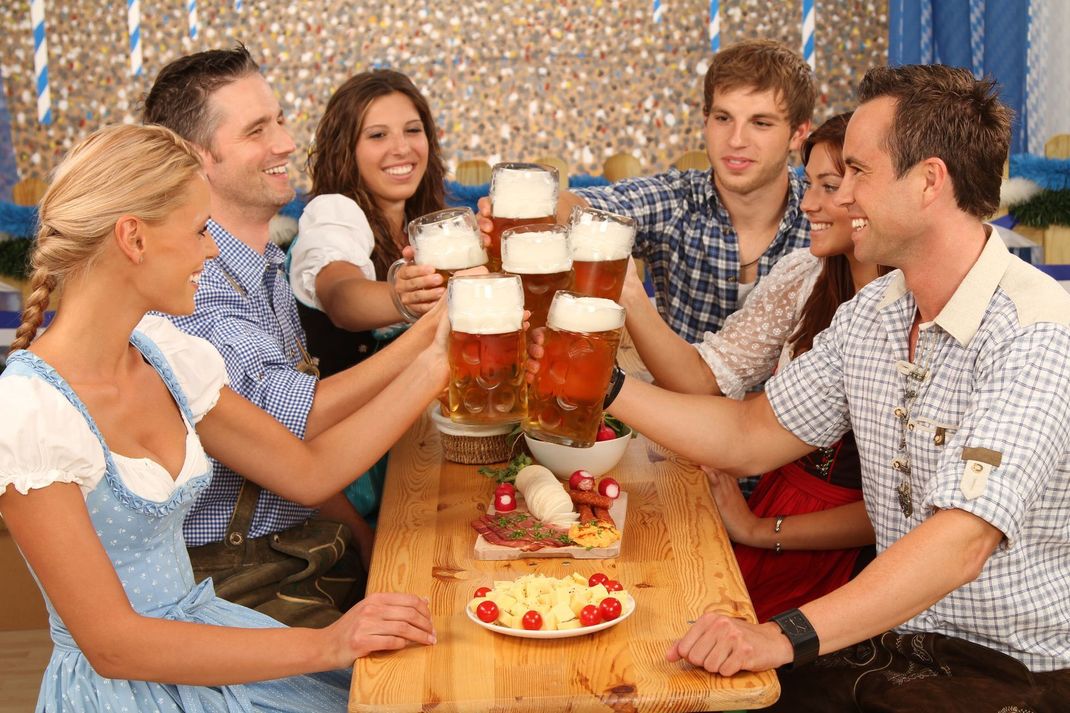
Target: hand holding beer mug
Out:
[520,194]
[579,350]
[447,240]
[486,349]
[601,244]
[539,254]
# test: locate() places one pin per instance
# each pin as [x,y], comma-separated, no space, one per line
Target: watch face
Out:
[796,624]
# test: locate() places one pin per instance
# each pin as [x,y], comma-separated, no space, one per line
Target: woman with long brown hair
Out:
[804,528]
[375,165]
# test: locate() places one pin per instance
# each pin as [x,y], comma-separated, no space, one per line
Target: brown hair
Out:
[178,99]
[116,171]
[332,160]
[762,65]
[834,285]
[944,112]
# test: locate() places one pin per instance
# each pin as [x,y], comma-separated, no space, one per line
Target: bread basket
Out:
[471,444]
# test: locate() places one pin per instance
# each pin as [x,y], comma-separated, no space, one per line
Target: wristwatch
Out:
[616,380]
[801,634]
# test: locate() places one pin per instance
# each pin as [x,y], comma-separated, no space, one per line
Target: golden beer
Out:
[520,194]
[448,240]
[486,349]
[601,243]
[539,254]
[579,351]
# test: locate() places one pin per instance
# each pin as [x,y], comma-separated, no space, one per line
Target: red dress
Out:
[826,478]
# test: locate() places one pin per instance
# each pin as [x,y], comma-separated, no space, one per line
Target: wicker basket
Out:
[473,445]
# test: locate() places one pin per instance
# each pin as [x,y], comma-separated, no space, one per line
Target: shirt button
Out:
[900,412]
[977,467]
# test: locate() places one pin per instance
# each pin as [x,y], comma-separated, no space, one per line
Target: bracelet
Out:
[805,644]
[776,530]
[616,381]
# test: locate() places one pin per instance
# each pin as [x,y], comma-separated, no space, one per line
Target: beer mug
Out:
[601,243]
[448,240]
[520,194]
[539,254]
[579,351]
[486,349]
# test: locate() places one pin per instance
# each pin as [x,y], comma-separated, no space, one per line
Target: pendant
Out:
[906,502]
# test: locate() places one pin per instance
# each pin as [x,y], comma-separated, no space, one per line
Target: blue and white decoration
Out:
[1019,43]
[658,11]
[715,26]
[133,24]
[809,22]
[40,61]
[191,12]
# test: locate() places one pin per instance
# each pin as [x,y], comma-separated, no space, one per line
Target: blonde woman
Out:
[101,455]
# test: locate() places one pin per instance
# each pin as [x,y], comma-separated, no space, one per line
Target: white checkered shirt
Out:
[998,379]
[256,333]
[691,249]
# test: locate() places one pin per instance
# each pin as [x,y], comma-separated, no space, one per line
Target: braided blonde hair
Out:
[116,171]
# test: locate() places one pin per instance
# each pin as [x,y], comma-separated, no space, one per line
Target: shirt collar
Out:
[243,263]
[962,314]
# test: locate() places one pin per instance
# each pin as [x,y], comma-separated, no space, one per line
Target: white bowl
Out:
[563,461]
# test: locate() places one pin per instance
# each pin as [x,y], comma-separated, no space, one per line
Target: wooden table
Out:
[675,559]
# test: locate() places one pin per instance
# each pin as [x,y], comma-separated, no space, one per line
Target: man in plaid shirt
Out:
[708,237]
[953,373]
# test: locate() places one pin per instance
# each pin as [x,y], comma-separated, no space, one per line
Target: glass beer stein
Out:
[486,349]
[580,349]
[601,243]
[520,194]
[539,254]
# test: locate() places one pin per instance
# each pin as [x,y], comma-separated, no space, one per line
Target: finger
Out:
[408,253]
[734,663]
[422,298]
[483,205]
[538,335]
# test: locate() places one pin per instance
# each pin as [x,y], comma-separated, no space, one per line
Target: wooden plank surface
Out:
[676,560]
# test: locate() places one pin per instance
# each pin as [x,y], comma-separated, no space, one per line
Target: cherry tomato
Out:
[610,607]
[487,611]
[613,585]
[532,620]
[597,578]
[482,591]
[590,615]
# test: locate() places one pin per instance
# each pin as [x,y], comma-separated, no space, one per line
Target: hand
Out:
[633,286]
[381,622]
[418,286]
[736,515]
[726,646]
[483,218]
[535,352]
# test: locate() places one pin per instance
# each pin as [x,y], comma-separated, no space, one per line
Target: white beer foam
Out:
[485,305]
[523,194]
[449,247]
[541,252]
[596,240]
[584,314]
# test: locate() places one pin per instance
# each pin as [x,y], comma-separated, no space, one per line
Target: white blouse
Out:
[45,440]
[753,342]
[333,228]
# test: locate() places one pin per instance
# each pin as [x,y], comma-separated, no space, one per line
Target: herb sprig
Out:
[507,473]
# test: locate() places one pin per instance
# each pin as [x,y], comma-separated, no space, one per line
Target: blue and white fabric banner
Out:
[715,26]
[1019,43]
[133,24]
[809,22]
[40,61]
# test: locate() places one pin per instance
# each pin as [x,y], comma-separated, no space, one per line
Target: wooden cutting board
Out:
[486,551]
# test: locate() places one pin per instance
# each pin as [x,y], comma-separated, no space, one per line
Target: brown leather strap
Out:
[242,517]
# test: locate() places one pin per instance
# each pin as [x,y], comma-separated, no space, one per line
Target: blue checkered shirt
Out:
[988,432]
[257,333]
[690,247]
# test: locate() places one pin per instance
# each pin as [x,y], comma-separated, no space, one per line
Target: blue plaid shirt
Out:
[245,308]
[691,249]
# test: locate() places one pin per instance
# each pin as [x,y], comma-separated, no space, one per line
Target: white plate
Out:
[627,608]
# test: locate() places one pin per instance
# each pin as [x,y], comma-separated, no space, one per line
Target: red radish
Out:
[609,488]
[504,501]
[581,480]
[505,488]
[605,433]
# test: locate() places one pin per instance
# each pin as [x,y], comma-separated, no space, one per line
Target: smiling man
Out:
[708,237]
[952,372]
[260,549]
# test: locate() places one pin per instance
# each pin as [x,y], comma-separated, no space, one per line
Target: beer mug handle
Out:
[391,280]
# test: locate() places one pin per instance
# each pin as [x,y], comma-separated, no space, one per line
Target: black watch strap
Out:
[801,634]
[616,380]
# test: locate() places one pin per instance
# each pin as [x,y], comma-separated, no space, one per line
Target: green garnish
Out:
[617,426]
[507,473]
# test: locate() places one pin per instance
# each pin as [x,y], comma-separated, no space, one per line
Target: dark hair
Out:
[944,112]
[763,65]
[332,160]
[834,285]
[178,99]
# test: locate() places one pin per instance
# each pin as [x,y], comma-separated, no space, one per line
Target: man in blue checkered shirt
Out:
[253,542]
[953,373]
[708,236]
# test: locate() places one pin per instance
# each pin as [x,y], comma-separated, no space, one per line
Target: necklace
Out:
[744,265]
[915,373]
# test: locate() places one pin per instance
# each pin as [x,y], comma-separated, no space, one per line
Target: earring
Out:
[141,259]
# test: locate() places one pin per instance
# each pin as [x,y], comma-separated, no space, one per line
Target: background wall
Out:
[507,80]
